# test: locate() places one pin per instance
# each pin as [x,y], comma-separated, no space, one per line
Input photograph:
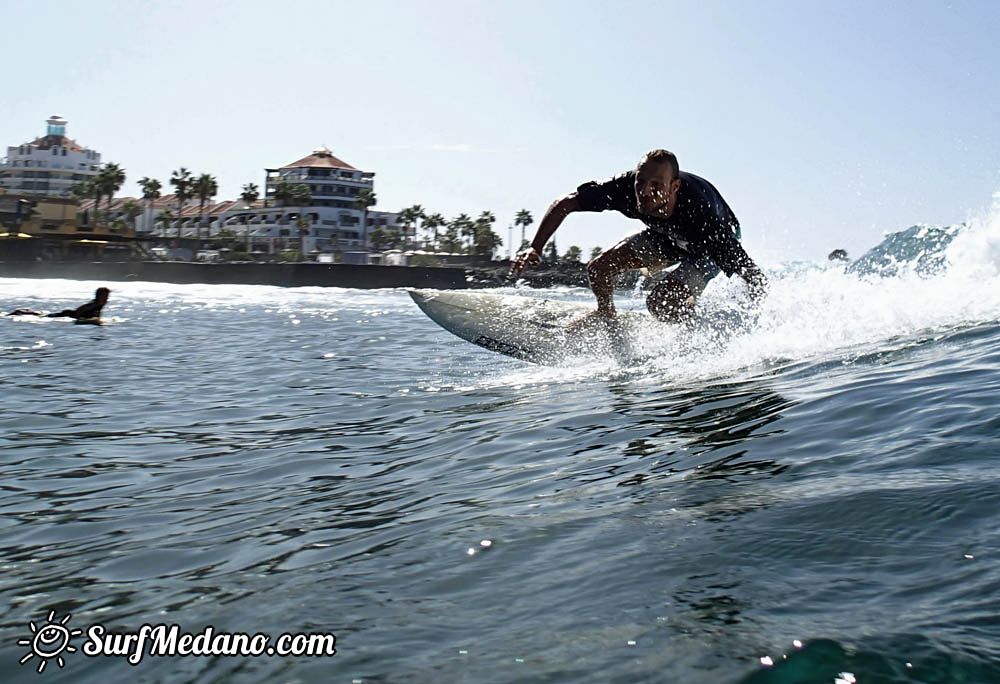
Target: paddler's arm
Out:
[553,218]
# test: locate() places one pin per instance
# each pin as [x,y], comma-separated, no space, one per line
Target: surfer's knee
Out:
[595,267]
[670,301]
[605,265]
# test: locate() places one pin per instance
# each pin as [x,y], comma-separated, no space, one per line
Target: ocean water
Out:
[817,500]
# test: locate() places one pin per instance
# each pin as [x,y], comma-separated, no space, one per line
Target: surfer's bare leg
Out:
[671,301]
[604,270]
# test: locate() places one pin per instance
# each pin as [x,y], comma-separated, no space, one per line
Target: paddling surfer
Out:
[90,310]
[688,223]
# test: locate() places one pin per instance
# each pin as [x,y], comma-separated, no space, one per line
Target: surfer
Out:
[90,310]
[687,224]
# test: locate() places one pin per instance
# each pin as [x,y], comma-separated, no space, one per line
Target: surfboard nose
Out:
[422,296]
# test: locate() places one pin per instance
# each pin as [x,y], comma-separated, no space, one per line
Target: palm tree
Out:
[406,218]
[183,184]
[111,178]
[551,253]
[131,210]
[523,218]
[380,238]
[452,240]
[301,195]
[166,216]
[464,228]
[86,189]
[302,223]
[249,195]
[205,188]
[150,192]
[417,212]
[432,223]
[364,201]
[483,235]
[282,192]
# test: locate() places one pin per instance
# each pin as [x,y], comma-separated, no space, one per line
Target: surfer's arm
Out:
[730,256]
[553,218]
[755,279]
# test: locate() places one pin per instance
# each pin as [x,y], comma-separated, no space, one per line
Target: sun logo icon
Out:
[49,642]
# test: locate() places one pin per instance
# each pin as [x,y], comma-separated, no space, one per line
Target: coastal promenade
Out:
[283,275]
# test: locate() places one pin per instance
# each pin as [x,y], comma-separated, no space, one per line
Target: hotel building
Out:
[48,166]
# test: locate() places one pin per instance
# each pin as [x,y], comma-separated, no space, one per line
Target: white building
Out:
[333,219]
[49,165]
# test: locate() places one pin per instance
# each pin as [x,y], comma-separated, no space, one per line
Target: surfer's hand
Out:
[528,257]
[756,284]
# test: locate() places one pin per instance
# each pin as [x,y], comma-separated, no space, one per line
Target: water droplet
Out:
[766,661]
[797,644]
[471,551]
[486,543]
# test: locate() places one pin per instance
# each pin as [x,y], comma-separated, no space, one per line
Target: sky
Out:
[824,125]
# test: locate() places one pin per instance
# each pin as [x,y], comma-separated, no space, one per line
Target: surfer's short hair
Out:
[662,157]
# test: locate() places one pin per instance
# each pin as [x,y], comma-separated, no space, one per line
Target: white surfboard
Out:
[526,328]
[534,329]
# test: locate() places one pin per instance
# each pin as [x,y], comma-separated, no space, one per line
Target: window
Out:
[55,151]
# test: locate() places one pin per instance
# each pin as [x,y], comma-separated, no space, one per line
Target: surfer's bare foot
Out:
[589,320]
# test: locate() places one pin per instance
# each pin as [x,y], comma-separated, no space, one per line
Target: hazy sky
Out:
[823,124]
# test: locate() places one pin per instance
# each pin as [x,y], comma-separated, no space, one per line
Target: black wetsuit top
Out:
[701,223]
[91,309]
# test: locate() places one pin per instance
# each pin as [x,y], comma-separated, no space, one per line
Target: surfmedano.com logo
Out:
[53,638]
[49,642]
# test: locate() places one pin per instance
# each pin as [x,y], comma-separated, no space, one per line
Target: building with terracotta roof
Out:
[50,165]
[333,217]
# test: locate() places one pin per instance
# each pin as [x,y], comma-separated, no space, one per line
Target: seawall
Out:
[283,275]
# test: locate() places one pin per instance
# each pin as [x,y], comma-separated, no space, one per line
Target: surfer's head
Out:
[657,180]
[101,294]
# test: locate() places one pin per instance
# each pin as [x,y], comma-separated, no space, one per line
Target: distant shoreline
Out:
[294,274]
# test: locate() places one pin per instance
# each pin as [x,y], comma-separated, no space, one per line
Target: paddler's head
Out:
[657,180]
[101,295]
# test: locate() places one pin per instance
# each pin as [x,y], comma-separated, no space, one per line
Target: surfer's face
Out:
[655,188]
